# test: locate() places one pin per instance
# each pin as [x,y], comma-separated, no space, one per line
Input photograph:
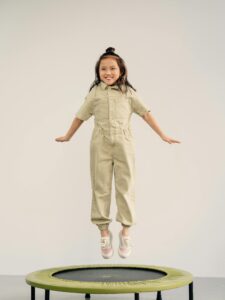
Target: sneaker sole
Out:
[108,256]
[122,255]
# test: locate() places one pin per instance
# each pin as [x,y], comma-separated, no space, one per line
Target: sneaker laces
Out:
[126,242]
[105,242]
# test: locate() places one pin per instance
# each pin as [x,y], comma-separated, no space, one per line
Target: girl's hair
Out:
[122,80]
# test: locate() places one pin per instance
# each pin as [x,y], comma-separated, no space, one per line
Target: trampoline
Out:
[109,279]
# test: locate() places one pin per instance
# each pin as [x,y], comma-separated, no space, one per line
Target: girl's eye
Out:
[104,69]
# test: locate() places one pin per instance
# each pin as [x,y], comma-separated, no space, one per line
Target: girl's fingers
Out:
[175,141]
[60,139]
[171,141]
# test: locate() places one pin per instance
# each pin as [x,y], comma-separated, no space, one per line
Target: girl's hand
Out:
[62,139]
[169,140]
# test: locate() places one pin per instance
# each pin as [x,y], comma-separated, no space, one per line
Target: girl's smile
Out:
[109,71]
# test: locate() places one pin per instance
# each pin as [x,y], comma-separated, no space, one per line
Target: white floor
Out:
[15,288]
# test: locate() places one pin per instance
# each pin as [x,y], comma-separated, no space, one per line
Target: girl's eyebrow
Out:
[112,66]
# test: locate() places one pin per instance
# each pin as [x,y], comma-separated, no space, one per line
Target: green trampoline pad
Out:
[109,279]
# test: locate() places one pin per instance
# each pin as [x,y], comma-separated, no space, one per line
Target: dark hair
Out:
[122,80]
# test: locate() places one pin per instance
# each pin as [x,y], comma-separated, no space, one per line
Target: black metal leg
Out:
[32,293]
[136,296]
[159,295]
[47,294]
[191,293]
[87,296]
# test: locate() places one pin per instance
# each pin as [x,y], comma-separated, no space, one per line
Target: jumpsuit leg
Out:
[124,172]
[101,165]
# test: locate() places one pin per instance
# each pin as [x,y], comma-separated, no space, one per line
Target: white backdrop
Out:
[174,51]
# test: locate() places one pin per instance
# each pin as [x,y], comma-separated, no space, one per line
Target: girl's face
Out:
[109,70]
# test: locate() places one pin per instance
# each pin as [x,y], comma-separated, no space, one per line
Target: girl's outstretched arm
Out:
[73,128]
[153,124]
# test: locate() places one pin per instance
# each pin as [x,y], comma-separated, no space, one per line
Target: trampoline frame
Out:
[46,280]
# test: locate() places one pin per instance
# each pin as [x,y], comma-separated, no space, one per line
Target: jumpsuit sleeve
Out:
[86,109]
[137,104]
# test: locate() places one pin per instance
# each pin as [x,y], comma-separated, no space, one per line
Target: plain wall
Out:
[174,51]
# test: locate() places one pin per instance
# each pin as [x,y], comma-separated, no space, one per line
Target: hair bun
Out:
[110,50]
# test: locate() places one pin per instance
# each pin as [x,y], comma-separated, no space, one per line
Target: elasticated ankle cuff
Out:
[103,226]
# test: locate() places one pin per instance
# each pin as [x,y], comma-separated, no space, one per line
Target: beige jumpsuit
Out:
[112,151]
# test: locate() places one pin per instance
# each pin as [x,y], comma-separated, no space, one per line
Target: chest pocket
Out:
[122,107]
[101,108]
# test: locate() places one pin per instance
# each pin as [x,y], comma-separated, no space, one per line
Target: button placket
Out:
[110,113]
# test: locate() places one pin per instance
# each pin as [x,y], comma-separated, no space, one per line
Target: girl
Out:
[112,100]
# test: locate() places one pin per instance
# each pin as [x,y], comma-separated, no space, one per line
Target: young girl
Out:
[112,100]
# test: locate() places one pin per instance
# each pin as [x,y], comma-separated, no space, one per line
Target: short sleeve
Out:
[137,104]
[86,109]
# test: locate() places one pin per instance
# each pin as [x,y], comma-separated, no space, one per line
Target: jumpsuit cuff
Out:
[124,225]
[103,226]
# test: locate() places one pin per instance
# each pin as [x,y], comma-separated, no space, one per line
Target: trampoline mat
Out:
[110,274]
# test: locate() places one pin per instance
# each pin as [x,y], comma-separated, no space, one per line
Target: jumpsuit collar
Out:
[104,86]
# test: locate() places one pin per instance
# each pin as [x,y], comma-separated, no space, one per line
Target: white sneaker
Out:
[125,246]
[106,246]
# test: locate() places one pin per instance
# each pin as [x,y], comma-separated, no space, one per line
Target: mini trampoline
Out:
[109,279]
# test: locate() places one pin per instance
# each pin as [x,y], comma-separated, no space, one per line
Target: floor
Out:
[15,288]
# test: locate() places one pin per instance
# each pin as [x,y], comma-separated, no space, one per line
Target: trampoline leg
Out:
[87,296]
[159,295]
[47,294]
[191,293]
[32,293]
[136,296]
